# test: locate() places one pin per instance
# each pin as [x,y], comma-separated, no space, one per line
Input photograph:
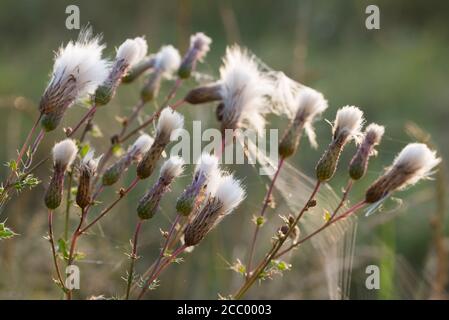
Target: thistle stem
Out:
[88,114]
[166,262]
[263,264]
[53,249]
[261,214]
[324,226]
[133,258]
[149,121]
[75,237]
[112,205]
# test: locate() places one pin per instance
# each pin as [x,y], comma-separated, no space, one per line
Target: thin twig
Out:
[133,258]
[53,249]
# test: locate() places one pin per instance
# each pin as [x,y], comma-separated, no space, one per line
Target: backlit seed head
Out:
[64,152]
[415,162]
[199,47]
[359,163]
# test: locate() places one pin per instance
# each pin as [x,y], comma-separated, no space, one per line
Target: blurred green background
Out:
[396,74]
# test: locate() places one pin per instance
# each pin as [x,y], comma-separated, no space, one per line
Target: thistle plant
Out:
[245,92]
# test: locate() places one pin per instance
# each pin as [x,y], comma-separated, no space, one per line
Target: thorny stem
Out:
[112,205]
[263,264]
[53,249]
[24,147]
[324,226]
[261,214]
[133,258]
[75,237]
[166,262]
[165,246]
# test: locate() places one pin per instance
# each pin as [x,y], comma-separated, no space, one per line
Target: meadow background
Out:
[397,75]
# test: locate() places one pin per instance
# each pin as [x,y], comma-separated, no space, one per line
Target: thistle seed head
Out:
[169,121]
[167,61]
[132,51]
[348,123]
[149,203]
[87,171]
[64,152]
[199,47]
[221,201]
[359,163]
[415,162]
[77,72]
[244,91]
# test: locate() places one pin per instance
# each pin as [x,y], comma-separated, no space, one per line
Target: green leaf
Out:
[63,248]
[84,150]
[117,150]
[5,232]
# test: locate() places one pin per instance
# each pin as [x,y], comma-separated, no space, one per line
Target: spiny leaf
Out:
[5,232]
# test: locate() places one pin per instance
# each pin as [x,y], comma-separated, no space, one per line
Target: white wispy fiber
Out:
[64,152]
[132,51]
[244,91]
[90,163]
[167,60]
[373,135]
[201,44]
[310,104]
[207,165]
[172,168]
[229,192]
[169,120]
[348,122]
[416,162]
[78,69]
[142,144]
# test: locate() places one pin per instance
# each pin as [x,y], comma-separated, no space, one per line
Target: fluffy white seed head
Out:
[417,160]
[169,120]
[349,121]
[167,60]
[374,133]
[81,60]
[207,164]
[310,104]
[200,42]
[172,168]
[244,91]
[64,152]
[229,192]
[89,162]
[142,144]
[132,51]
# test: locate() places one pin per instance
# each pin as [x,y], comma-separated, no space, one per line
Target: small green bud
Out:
[51,121]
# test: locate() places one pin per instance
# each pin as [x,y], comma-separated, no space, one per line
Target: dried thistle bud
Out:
[64,153]
[347,126]
[413,163]
[87,171]
[149,203]
[204,94]
[199,47]
[77,72]
[129,53]
[221,202]
[169,121]
[134,153]
[359,163]
[310,103]
[205,169]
